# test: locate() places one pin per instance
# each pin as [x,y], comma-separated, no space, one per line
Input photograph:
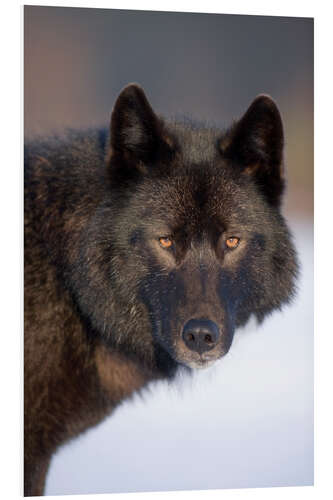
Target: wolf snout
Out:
[200,335]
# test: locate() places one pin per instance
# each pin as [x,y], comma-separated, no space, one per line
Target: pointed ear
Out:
[137,134]
[255,145]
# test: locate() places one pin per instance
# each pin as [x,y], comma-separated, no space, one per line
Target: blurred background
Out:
[247,422]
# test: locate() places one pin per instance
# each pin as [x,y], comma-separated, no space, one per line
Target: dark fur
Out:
[105,305]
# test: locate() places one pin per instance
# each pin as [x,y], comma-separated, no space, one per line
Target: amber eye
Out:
[232,242]
[165,242]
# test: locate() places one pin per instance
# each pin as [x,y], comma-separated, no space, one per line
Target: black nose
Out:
[200,335]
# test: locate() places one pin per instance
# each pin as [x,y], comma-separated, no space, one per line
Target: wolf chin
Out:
[146,246]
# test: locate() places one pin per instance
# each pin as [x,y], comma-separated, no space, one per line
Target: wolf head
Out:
[196,240]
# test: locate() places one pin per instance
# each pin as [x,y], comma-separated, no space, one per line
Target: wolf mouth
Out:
[200,364]
[201,361]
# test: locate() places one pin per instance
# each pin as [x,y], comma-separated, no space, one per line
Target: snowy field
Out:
[246,422]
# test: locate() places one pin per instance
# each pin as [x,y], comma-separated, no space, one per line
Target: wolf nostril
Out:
[190,337]
[200,335]
[208,339]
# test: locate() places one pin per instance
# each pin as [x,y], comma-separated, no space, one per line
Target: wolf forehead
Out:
[197,143]
[197,192]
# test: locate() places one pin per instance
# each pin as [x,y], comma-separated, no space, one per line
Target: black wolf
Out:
[145,248]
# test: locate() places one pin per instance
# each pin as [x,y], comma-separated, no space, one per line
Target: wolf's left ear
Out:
[137,134]
[255,145]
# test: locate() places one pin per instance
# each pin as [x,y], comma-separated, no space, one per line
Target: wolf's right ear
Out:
[137,134]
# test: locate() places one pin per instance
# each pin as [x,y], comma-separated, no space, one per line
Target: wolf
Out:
[146,247]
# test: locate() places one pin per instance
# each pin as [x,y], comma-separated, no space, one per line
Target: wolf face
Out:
[191,239]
